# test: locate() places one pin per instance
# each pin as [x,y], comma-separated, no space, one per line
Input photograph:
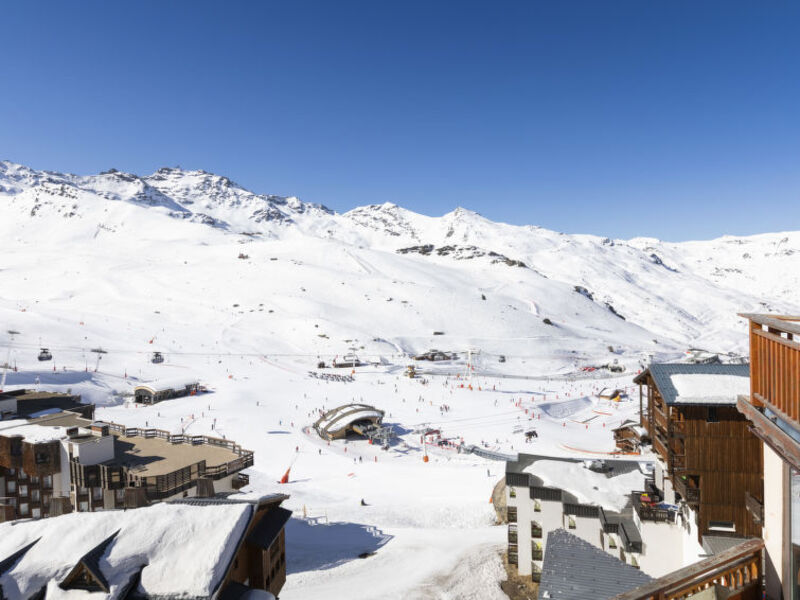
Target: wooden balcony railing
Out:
[736,570]
[775,364]
[687,489]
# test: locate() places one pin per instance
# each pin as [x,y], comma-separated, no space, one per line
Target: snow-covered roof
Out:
[182,550]
[33,434]
[342,416]
[699,384]
[166,384]
[709,389]
[589,487]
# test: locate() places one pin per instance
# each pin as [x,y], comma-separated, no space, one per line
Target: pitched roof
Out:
[173,549]
[573,569]
[662,375]
[269,527]
[91,562]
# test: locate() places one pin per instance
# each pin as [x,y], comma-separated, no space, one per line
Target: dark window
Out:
[42,458]
[711,417]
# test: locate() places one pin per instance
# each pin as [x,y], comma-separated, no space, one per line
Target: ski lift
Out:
[157,358]
[44,354]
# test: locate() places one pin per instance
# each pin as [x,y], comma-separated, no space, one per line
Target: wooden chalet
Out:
[709,458]
[219,548]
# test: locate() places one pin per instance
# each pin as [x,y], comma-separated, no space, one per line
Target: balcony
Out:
[736,573]
[648,509]
[755,507]
[688,487]
[774,358]
[512,535]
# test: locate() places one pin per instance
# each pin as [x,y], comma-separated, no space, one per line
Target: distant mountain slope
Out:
[381,274]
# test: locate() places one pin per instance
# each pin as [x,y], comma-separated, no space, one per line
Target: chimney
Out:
[60,505]
[205,487]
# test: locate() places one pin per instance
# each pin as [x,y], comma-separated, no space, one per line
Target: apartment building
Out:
[61,462]
[535,509]
[707,458]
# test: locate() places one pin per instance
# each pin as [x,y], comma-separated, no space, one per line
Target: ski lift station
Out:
[157,391]
[361,419]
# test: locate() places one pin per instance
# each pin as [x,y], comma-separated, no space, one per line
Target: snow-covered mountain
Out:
[153,251]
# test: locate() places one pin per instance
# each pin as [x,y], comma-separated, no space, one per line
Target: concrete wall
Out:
[774,531]
[524,506]
[94,451]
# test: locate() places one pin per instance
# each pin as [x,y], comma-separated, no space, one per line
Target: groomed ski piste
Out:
[247,293]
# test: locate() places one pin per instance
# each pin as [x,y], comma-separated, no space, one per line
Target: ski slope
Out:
[133,265]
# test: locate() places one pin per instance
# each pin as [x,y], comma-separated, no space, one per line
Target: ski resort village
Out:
[212,393]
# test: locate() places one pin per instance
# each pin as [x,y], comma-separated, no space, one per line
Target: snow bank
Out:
[709,389]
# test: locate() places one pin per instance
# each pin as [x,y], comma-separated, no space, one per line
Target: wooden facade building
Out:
[710,458]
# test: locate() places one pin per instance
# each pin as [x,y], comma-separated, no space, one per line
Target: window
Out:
[512,514]
[711,415]
[12,487]
[36,513]
[536,551]
[536,530]
[119,495]
[23,509]
[23,490]
[612,543]
[35,480]
[42,458]
[512,492]
[722,526]
[83,506]
[47,481]
[571,523]
[34,495]
[22,474]
[537,506]
[97,493]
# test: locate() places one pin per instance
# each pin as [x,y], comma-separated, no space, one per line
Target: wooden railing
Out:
[689,492]
[775,364]
[736,570]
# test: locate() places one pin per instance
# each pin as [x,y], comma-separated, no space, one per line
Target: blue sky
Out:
[678,120]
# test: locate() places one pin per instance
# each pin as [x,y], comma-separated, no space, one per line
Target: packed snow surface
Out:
[249,292]
[709,389]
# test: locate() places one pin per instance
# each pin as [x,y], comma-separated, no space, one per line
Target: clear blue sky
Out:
[674,119]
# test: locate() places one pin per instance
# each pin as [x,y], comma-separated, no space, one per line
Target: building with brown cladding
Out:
[61,462]
[223,548]
[709,460]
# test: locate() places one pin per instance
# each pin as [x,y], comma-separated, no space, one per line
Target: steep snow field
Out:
[135,264]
